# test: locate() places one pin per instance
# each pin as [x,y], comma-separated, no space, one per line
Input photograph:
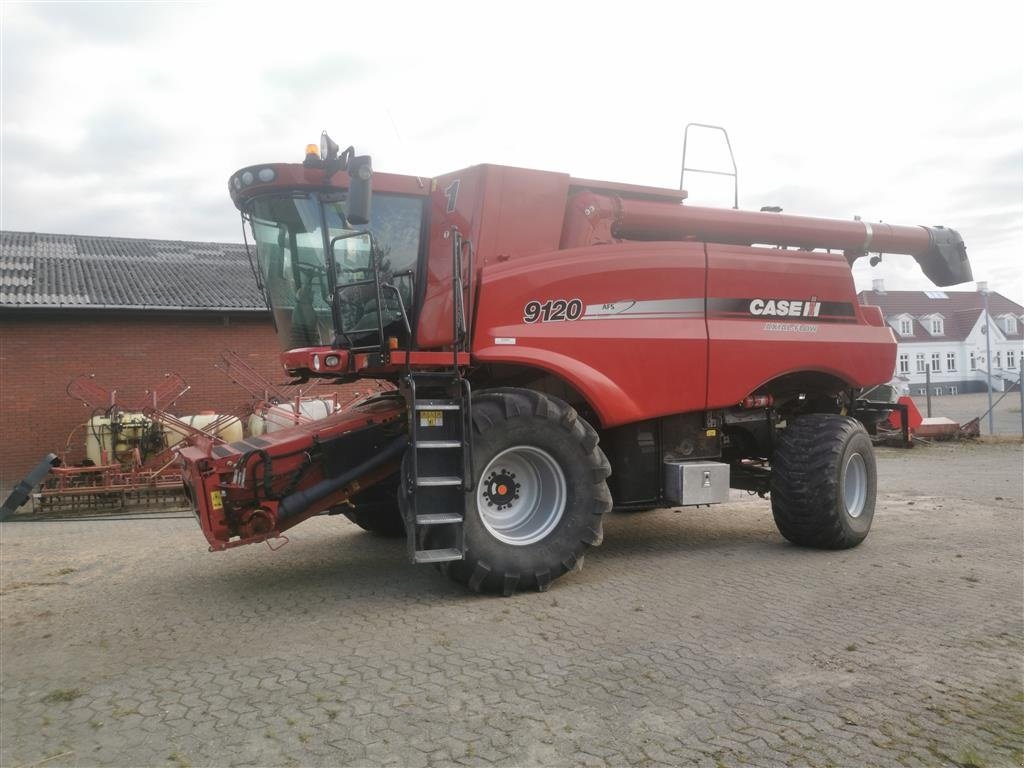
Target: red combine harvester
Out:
[561,346]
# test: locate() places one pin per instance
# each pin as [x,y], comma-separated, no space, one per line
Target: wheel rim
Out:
[521,495]
[855,485]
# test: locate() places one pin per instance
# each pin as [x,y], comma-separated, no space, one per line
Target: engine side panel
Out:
[623,323]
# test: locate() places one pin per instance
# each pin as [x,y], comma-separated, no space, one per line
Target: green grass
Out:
[61,695]
[969,758]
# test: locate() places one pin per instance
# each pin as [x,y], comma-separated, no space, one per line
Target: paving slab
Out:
[695,637]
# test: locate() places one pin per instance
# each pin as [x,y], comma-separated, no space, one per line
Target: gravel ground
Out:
[696,637]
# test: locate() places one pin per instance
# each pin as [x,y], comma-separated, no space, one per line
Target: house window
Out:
[922,391]
[921,367]
[952,390]
[937,326]
[1010,324]
[904,363]
[906,327]
[951,361]
[974,362]
[936,362]
[1011,360]
[938,391]
[997,359]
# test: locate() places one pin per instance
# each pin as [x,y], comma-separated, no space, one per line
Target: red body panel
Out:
[747,351]
[631,360]
[648,345]
[505,212]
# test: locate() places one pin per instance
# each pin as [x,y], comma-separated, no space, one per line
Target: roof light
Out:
[312,157]
[266,174]
[328,148]
[237,182]
[247,178]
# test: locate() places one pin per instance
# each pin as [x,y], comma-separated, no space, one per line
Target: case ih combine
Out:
[561,347]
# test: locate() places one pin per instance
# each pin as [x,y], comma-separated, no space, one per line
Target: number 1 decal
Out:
[452,193]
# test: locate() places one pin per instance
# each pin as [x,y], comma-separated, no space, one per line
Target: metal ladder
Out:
[440,468]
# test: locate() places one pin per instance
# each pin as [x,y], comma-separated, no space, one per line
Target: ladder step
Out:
[439,444]
[437,405]
[436,555]
[436,481]
[439,518]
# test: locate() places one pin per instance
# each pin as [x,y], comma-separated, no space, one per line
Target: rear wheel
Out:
[538,494]
[823,482]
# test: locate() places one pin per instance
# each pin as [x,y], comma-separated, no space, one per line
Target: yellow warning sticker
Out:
[711,433]
[431,418]
[215,500]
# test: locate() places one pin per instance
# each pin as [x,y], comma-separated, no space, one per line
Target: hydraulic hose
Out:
[300,501]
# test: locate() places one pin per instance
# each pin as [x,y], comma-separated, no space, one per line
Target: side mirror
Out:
[360,191]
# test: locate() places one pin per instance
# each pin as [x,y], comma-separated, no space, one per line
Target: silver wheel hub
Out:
[855,485]
[521,495]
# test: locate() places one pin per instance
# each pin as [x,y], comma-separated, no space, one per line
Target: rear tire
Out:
[538,494]
[823,482]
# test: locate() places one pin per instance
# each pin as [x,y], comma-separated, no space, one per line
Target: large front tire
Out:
[823,482]
[538,495]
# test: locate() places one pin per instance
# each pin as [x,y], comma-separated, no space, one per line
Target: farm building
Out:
[126,311]
[941,336]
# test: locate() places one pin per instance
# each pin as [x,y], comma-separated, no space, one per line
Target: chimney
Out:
[982,286]
[878,286]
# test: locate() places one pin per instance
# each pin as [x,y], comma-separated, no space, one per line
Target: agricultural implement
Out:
[558,347]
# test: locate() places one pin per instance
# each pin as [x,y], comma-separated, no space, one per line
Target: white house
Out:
[941,336]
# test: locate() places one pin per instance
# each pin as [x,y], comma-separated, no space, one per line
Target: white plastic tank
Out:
[230,429]
[101,447]
[282,416]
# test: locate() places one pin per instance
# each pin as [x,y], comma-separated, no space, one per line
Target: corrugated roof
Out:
[75,271]
[959,309]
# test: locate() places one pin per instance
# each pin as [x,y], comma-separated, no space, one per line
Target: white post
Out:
[1020,386]
[988,360]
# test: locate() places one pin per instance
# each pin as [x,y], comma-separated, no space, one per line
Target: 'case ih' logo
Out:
[786,307]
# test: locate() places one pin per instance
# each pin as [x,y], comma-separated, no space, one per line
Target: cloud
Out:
[127,119]
[104,22]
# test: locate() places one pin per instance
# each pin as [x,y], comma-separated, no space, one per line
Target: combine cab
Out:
[559,346]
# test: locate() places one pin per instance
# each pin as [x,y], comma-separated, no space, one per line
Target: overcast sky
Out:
[127,119]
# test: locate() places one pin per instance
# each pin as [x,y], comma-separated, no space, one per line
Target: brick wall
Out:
[40,354]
